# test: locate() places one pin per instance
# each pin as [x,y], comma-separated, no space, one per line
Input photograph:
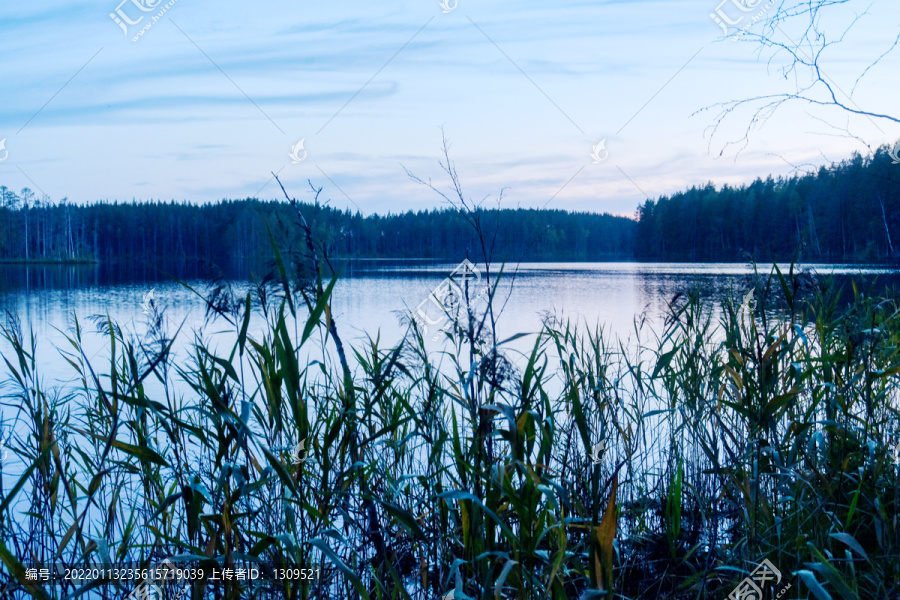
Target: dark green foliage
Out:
[739,431]
[760,433]
[234,232]
[849,211]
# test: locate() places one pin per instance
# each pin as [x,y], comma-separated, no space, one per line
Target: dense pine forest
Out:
[848,211]
[236,230]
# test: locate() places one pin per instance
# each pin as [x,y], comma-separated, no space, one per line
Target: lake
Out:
[369,297]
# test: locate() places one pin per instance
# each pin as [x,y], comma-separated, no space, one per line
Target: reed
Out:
[748,429]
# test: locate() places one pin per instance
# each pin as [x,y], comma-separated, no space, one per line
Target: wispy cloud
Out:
[185,112]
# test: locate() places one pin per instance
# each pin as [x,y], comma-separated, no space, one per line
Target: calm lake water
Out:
[367,300]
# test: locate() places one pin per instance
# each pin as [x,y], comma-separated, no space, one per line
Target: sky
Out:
[575,105]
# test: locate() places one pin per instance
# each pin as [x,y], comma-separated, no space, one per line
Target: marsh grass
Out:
[739,431]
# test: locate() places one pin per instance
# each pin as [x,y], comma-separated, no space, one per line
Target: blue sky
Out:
[213,96]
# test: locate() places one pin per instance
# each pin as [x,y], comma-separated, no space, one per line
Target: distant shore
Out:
[48,261]
[850,261]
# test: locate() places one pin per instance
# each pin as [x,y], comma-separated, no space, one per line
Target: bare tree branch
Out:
[796,41]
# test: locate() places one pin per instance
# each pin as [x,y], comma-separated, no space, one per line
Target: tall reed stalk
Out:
[755,428]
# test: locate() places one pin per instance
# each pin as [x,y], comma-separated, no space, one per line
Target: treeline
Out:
[231,231]
[848,211]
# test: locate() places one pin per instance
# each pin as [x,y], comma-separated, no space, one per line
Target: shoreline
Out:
[48,261]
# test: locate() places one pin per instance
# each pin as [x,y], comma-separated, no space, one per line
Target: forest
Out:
[848,211]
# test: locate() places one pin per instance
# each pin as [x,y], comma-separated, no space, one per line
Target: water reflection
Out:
[368,297]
